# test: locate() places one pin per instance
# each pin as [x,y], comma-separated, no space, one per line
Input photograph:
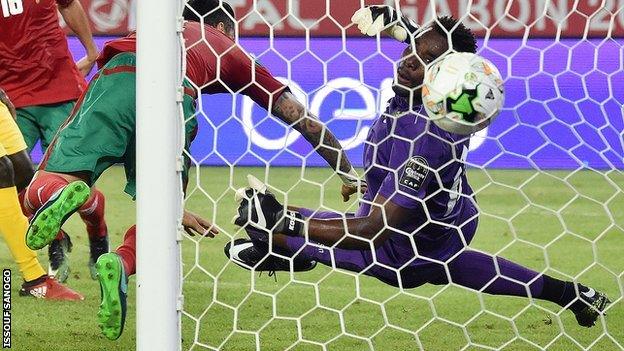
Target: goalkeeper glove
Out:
[372,20]
[258,208]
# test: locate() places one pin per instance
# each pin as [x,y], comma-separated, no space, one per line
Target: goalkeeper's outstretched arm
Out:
[258,208]
[358,233]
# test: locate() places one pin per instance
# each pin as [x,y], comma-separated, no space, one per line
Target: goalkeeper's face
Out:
[414,61]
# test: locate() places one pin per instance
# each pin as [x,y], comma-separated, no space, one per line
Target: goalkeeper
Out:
[419,213]
[100,132]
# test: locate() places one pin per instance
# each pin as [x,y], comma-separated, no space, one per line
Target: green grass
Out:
[568,225]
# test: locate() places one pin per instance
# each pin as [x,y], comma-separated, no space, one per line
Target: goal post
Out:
[159,148]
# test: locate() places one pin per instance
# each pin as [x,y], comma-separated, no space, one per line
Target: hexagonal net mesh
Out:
[499,247]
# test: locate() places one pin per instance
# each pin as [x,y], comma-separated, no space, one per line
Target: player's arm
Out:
[76,19]
[292,112]
[400,193]
[259,209]
[359,232]
[195,225]
[241,73]
[7,102]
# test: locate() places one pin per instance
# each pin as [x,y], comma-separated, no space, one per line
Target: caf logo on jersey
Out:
[415,172]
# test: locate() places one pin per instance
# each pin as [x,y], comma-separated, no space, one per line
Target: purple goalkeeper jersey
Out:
[420,167]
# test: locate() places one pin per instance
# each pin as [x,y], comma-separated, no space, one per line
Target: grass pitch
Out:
[565,224]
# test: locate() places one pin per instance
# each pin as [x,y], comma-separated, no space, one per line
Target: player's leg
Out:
[498,276]
[113,269]
[54,199]
[127,251]
[13,222]
[96,136]
[110,268]
[30,120]
[49,119]
[23,168]
[92,214]
[42,189]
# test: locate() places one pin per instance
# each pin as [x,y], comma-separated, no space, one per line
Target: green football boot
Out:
[47,221]
[113,291]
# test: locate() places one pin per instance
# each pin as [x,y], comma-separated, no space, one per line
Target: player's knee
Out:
[6,173]
[439,279]
[404,282]
[413,277]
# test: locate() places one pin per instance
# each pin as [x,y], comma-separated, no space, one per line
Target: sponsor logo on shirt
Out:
[415,172]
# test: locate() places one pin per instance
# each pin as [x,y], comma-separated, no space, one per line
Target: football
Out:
[463,93]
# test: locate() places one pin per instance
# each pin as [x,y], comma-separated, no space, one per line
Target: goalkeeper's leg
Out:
[362,261]
[498,276]
[471,269]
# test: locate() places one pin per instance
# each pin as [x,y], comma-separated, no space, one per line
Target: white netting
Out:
[548,175]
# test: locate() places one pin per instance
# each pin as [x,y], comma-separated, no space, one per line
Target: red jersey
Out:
[36,67]
[238,71]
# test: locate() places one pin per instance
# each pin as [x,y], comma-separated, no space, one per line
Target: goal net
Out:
[547,174]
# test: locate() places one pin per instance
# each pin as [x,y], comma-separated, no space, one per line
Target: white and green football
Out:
[463,93]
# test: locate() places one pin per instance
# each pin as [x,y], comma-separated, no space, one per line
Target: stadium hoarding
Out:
[533,18]
[562,108]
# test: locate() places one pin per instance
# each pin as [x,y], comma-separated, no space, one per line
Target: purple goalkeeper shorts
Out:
[395,262]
